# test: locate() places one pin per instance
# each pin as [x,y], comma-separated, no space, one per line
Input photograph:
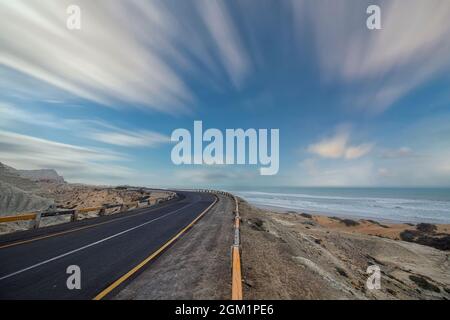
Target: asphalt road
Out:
[197,267]
[33,263]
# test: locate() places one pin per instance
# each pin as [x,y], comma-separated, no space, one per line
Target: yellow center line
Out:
[127,275]
[73,230]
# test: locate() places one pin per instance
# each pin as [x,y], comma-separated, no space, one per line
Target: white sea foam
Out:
[382,208]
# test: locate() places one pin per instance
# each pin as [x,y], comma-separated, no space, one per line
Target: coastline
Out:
[341,215]
[390,205]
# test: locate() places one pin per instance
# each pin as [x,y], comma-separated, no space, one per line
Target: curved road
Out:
[33,263]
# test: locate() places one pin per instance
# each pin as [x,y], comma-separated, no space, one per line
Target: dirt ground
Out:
[78,196]
[289,256]
[371,227]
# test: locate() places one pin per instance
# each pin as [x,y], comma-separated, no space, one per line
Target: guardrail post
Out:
[122,208]
[36,221]
[74,216]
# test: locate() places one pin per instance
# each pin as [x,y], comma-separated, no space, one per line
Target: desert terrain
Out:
[23,191]
[295,255]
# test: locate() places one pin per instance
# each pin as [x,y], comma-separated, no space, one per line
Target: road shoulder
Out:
[197,266]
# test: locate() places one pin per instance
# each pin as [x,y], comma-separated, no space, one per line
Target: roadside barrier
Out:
[35,217]
[236,268]
[236,284]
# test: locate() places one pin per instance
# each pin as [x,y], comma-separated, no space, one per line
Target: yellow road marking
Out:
[127,275]
[72,230]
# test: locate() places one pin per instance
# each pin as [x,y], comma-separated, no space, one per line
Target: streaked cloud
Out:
[233,63]
[401,152]
[101,131]
[226,38]
[138,139]
[90,63]
[11,115]
[146,63]
[382,65]
[74,162]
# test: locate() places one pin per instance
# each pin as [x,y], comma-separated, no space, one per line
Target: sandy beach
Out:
[294,255]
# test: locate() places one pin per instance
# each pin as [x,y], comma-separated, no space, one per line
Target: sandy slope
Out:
[287,256]
[24,191]
[14,200]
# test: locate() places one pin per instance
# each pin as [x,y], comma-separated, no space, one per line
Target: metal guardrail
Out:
[20,217]
[236,268]
[36,217]
[236,285]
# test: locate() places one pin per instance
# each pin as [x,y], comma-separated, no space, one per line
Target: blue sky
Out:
[355,107]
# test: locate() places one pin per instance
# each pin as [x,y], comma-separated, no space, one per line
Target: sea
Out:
[413,205]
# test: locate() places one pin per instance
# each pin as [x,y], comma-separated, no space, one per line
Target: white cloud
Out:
[337,147]
[11,116]
[221,28]
[213,174]
[401,152]
[91,63]
[429,171]
[138,53]
[74,162]
[355,152]
[333,147]
[384,65]
[316,173]
[136,139]
[106,133]
[383,172]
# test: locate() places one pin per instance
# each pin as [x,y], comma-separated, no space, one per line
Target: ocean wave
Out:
[397,209]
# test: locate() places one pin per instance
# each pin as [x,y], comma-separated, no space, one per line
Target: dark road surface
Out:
[33,263]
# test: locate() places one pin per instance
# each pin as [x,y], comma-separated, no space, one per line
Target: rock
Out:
[408,235]
[349,222]
[12,177]
[426,227]
[342,272]
[392,292]
[48,175]
[14,200]
[256,224]
[435,241]
[424,284]
[377,223]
